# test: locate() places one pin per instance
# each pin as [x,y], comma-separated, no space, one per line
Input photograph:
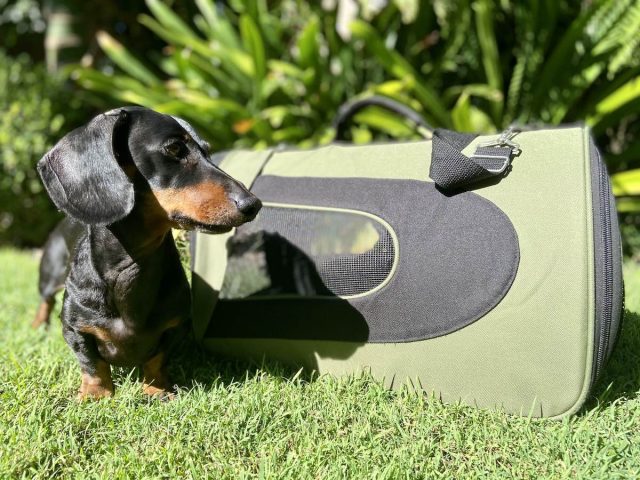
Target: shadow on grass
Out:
[621,377]
[192,365]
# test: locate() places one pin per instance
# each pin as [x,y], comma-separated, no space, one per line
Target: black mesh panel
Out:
[308,252]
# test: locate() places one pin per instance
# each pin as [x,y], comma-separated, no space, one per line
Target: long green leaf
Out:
[308,43]
[384,121]
[255,46]
[627,93]
[118,86]
[217,106]
[561,57]
[219,25]
[169,19]
[628,204]
[479,90]
[626,183]
[467,118]
[400,68]
[125,60]
[490,57]
[236,62]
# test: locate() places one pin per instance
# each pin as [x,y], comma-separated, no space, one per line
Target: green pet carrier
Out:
[485,269]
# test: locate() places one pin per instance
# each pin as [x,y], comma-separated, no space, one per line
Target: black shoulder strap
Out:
[451,169]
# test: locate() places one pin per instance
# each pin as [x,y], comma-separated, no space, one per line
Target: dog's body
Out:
[126,179]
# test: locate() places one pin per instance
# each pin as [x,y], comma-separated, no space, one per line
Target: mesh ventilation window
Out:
[308,252]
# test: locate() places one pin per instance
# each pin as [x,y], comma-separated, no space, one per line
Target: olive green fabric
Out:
[210,255]
[532,353]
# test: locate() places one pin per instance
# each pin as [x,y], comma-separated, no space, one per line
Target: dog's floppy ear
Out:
[82,175]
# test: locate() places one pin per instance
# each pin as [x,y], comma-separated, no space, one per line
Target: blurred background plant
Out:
[38,103]
[253,73]
[37,108]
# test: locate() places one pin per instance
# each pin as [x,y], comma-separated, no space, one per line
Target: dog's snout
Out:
[249,205]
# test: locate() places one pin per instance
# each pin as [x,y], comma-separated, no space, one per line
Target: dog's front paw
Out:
[156,382]
[94,392]
[163,393]
[96,383]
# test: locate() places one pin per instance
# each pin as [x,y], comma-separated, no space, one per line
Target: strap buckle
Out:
[495,155]
[504,139]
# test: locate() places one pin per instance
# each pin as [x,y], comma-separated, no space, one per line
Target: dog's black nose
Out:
[249,205]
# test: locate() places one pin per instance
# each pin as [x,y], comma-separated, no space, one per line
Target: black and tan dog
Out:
[124,180]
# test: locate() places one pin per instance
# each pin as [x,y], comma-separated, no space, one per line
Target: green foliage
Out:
[250,75]
[36,111]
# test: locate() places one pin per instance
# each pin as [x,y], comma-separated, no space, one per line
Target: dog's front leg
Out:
[96,373]
[156,380]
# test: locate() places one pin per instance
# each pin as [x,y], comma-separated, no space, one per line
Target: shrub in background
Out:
[37,109]
[252,72]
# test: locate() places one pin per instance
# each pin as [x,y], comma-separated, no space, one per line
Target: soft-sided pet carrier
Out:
[485,269]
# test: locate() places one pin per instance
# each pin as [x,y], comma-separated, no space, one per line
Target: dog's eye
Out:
[176,149]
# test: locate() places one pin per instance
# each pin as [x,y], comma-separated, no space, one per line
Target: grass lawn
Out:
[237,420]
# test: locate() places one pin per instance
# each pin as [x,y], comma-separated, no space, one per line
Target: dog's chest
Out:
[120,343]
[149,293]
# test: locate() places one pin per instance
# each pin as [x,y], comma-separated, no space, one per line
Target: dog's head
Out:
[98,172]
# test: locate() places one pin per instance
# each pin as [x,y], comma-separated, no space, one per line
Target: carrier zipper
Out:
[607,264]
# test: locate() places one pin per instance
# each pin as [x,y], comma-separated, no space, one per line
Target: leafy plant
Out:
[247,74]
[37,109]
[252,75]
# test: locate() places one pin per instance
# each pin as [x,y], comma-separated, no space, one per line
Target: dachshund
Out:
[124,181]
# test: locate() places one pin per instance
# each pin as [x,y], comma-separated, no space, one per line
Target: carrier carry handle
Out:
[450,169]
[349,109]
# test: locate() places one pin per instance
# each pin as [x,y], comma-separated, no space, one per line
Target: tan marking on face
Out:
[206,202]
[97,385]
[156,381]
